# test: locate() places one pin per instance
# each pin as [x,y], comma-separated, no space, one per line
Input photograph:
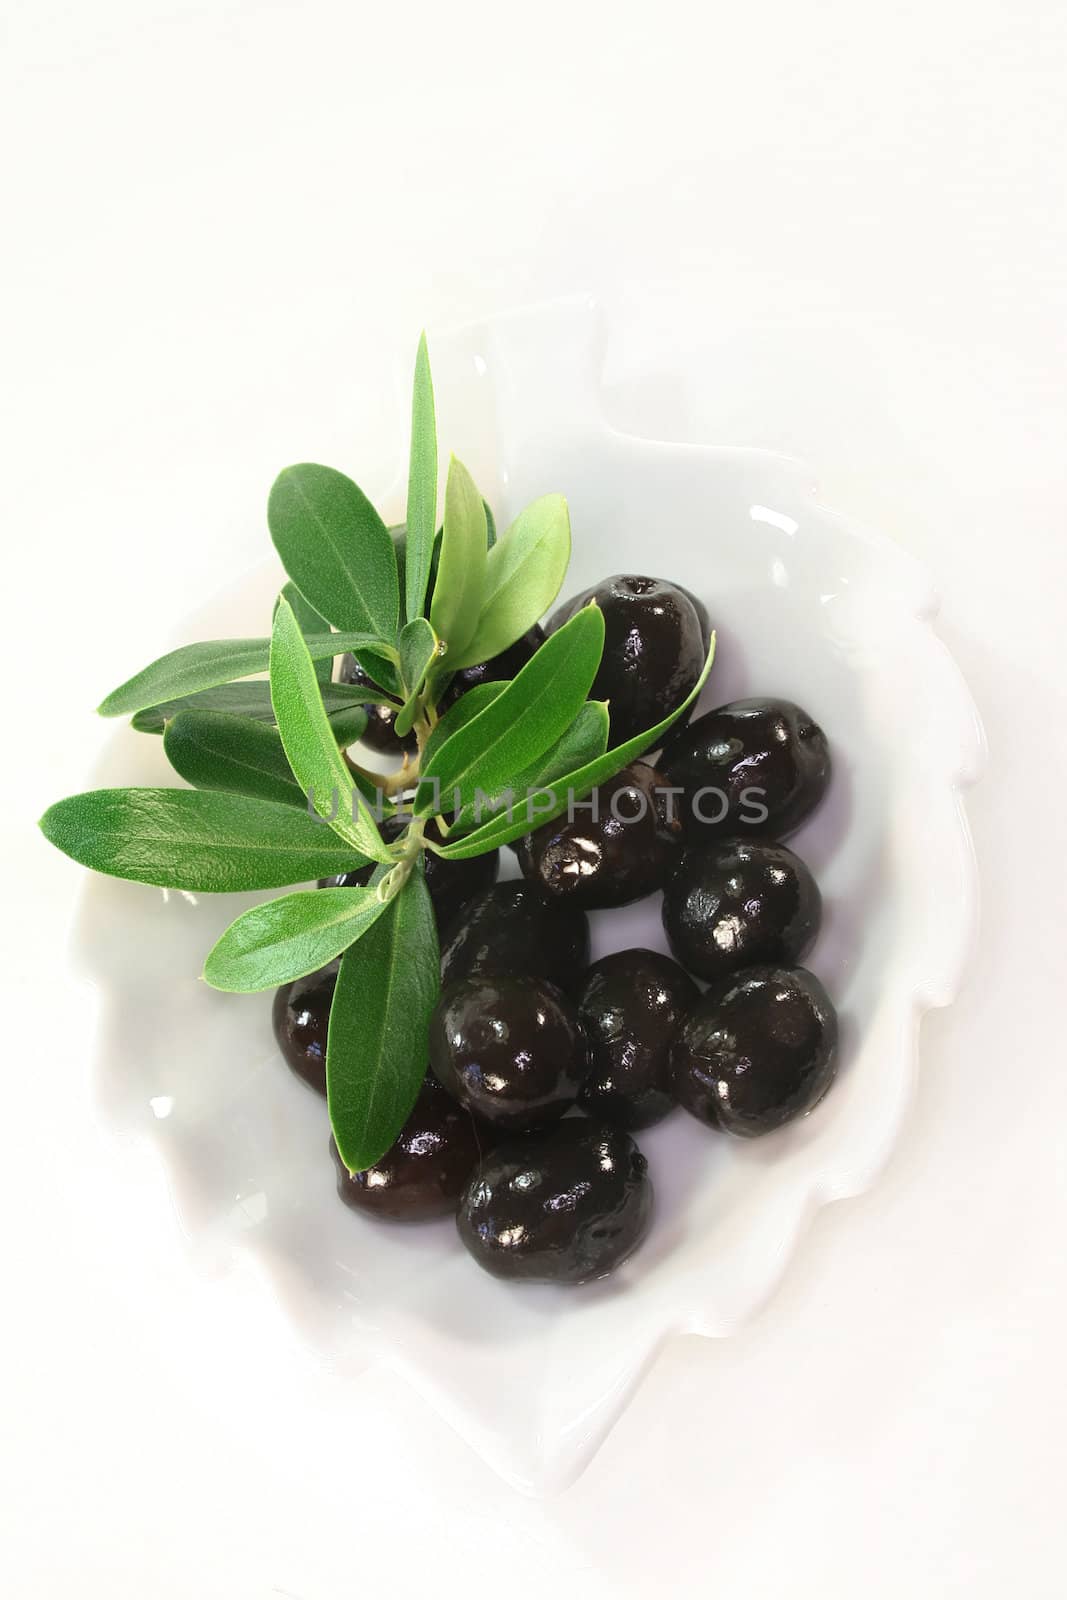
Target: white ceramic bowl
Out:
[806,606]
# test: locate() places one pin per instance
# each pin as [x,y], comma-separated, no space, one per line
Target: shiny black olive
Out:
[753,767]
[631,1006]
[300,1014]
[618,847]
[451,883]
[512,929]
[562,1207]
[423,1174]
[740,903]
[654,649]
[702,614]
[509,1049]
[759,1049]
[504,666]
[379,733]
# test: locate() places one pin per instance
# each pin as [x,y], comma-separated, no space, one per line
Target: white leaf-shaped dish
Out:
[806,606]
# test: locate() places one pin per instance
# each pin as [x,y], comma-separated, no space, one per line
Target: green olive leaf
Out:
[419,648]
[460,586]
[523,574]
[376,1051]
[310,624]
[404,720]
[541,807]
[529,715]
[288,938]
[236,755]
[380,660]
[421,520]
[467,707]
[399,533]
[585,740]
[317,763]
[196,840]
[344,706]
[336,549]
[208,665]
[381,666]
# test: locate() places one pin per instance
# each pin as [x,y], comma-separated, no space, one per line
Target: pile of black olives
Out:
[542,1066]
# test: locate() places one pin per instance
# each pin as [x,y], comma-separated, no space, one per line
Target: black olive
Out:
[654,649]
[379,733]
[759,1049]
[423,1174]
[505,666]
[631,1005]
[451,883]
[618,847]
[753,767]
[562,1207]
[300,1014]
[512,929]
[740,903]
[510,1049]
[702,614]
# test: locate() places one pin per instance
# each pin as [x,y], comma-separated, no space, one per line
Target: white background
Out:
[227,224]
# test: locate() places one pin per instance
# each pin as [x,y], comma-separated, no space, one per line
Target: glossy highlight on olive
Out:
[655,642]
[754,768]
[300,1014]
[759,1049]
[424,1173]
[513,928]
[631,1006]
[609,849]
[510,1049]
[566,1207]
[738,904]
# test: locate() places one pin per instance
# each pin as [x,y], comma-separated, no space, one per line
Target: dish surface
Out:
[806,606]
